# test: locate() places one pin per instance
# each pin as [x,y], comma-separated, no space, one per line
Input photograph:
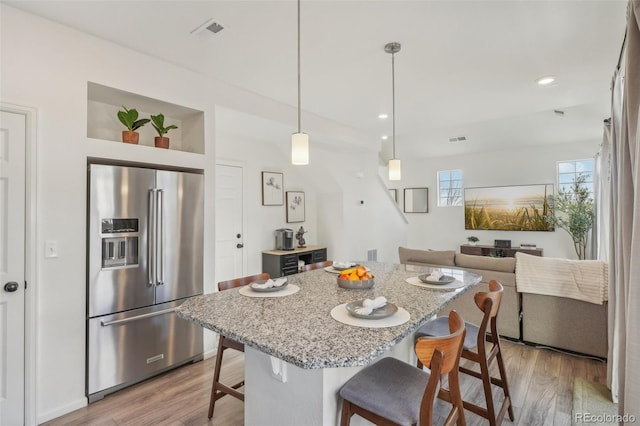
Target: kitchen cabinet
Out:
[278,263]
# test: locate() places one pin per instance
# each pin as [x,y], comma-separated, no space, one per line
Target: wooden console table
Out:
[497,251]
[279,263]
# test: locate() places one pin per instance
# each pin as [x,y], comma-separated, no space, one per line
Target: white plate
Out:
[445,279]
[385,311]
[266,290]
[342,268]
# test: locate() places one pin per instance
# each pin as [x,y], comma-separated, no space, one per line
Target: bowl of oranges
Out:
[357,277]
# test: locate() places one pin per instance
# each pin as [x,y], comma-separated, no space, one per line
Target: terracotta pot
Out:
[129,136]
[161,142]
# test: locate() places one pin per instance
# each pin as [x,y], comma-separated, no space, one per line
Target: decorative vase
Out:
[129,136]
[472,243]
[161,142]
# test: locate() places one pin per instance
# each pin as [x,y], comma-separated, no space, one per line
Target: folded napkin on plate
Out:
[270,283]
[370,305]
[435,275]
[343,264]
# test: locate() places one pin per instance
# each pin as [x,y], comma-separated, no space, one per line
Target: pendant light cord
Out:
[393,101]
[299,108]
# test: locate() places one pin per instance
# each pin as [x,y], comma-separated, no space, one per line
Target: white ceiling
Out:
[465,68]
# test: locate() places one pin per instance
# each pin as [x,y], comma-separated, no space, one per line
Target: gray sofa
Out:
[490,268]
[546,320]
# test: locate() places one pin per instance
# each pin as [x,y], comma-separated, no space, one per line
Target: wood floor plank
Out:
[541,383]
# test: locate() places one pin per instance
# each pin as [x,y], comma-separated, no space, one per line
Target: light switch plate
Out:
[50,249]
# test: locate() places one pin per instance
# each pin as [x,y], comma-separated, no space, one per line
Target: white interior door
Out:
[229,223]
[12,237]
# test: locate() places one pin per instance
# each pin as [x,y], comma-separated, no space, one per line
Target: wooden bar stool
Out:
[477,337]
[218,390]
[390,391]
[318,265]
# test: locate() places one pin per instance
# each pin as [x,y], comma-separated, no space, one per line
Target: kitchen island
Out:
[297,356]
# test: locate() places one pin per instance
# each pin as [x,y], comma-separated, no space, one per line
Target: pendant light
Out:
[394,163]
[299,140]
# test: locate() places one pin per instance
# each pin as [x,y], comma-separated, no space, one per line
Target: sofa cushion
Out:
[420,257]
[500,264]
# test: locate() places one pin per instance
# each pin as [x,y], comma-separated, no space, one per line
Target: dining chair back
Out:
[318,265]
[390,391]
[478,337]
[218,389]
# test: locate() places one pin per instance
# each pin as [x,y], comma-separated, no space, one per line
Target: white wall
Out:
[443,227]
[334,183]
[47,66]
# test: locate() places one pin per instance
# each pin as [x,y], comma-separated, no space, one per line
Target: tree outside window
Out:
[450,188]
[569,170]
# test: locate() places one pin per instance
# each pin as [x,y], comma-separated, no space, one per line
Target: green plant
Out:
[129,118]
[157,121]
[473,239]
[575,209]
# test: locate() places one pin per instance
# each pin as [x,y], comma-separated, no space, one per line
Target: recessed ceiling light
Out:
[546,80]
[383,116]
[385,137]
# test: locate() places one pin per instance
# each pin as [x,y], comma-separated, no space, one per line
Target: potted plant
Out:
[157,121]
[574,213]
[129,118]
[473,240]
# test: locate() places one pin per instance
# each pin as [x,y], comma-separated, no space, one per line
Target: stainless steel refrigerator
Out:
[145,258]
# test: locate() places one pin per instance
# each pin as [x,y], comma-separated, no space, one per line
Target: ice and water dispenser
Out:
[119,243]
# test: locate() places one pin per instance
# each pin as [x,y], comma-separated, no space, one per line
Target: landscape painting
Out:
[509,208]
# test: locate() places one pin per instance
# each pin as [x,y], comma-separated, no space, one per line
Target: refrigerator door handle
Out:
[151,237]
[160,246]
[138,317]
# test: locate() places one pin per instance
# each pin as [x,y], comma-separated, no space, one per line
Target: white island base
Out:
[308,397]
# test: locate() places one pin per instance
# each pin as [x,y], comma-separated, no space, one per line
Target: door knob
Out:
[238,235]
[11,286]
[239,245]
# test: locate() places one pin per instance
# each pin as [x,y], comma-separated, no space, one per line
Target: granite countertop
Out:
[299,328]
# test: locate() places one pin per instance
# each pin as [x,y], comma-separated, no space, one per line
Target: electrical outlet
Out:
[50,249]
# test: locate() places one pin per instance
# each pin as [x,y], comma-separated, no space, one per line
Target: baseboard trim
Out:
[60,411]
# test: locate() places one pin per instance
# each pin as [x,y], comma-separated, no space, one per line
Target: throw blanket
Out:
[585,280]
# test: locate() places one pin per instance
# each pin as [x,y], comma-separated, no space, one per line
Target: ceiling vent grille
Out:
[458,139]
[209,27]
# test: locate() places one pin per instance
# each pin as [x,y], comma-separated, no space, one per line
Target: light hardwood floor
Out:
[541,383]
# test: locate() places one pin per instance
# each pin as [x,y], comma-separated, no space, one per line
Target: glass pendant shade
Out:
[300,149]
[394,169]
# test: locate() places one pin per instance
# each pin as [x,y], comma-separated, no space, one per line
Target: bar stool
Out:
[390,391]
[318,265]
[477,337]
[218,389]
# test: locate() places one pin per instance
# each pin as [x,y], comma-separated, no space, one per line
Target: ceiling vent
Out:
[458,139]
[208,28]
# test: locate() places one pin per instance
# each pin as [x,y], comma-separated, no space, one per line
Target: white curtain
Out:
[602,197]
[624,291]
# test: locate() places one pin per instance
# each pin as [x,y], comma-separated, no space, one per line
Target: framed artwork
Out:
[295,206]
[509,208]
[272,189]
[416,200]
[394,194]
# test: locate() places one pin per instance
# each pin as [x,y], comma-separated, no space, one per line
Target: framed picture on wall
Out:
[272,189]
[295,206]
[394,194]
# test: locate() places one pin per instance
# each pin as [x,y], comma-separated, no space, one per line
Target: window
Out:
[568,170]
[449,188]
